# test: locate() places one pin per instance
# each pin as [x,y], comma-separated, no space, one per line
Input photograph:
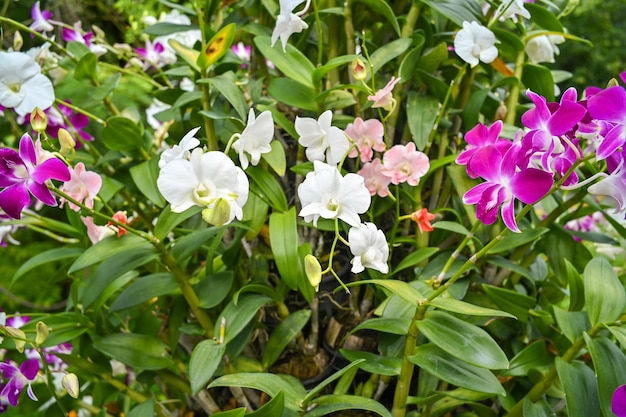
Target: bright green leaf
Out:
[402,289]
[605,298]
[609,363]
[421,114]
[282,336]
[137,350]
[227,87]
[144,289]
[373,363]
[86,67]
[581,391]
[293,63]
[122,134]
[52,255]
[389,51]
[382,8]
[205,358]
[284,242]
[511,301]
[461,307]
[237,316]
[145,175]
[267,187]
[328,404]
[108,248]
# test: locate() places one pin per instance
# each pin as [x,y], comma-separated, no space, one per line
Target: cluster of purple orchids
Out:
[557,137]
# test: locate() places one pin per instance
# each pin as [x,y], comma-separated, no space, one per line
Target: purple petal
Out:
[41,193]
[27,150]
[486,163]
[31,394]
[487,207]
[12,391]
[30,368]
[611,142]
[8,160]
[51,169]
[609,104]
[13,199]
[570,95]
[618,403]
[566,117]
[535,117]
[508,216]
[8,370]
[531,184]
[158,48]
[511,160]
[478,135]
[473,195]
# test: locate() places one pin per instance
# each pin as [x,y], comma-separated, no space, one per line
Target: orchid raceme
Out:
[22,85]
[202,180]
[255,138]
[327,194]
[25,172]
[322,141]
[369,247]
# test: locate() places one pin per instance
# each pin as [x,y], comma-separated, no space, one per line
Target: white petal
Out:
[176,182]
[39,93]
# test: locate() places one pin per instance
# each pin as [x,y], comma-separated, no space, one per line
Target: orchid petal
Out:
[609,104]
[13,199]
[51,169]
[530,185]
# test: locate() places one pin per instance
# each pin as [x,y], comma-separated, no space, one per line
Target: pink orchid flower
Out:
[83,185]
[383,97]
[404,163]
[368,137]
[375,181]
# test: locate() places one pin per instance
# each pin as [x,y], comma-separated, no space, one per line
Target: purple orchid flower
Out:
[18,378]
[613,186]
[618,403]
[610,105]
[506,182]
[481,137]
[40,19]
[23,173]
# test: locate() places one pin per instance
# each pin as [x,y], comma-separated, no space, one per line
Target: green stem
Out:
[81,111]
[512,100]
[36,35]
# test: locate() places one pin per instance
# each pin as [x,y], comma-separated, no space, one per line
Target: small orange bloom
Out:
[422,218]
[120,217]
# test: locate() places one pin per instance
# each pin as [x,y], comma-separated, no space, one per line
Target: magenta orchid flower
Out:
[243,52]
[153,54]
[23,173]
[368,137]
[18,378]
[479,138]
[610,105]
[505,183]
[618,402]
[76,35]
[40,19]
[613,187]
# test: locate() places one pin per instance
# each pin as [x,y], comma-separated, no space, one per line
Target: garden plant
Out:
[308,208]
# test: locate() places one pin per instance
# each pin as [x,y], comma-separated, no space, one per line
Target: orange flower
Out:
[422,218]
[120,217]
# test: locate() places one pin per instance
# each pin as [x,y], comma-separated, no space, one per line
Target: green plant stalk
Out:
[333,46]
[320,33]
[49,380]
[438,176]
[540,388]
[513,98]
[209,127]
[36,34]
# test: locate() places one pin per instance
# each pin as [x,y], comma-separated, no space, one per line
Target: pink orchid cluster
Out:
[543,157]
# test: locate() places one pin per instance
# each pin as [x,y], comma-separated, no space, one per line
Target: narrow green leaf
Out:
[461,307]
[273,408]
[268,188]
[293,63]
[108,248]
[457,372]
[145,175]
[537,409]
[462,340]
[514,240]
[328,404]
[605,298]
[282,336]
[137,350]
[511,301]
[217,46]
[52,255]
[451,227]
[609,363]
[539,79]
[415,258]
[166,28]
[421,115]
[144,289]
[581,391]
[237,412]
[382,8]
[620,335]
[205,358]
[411,59]
[227,87]
[276,158]
[457,10]
[284,241]
[335,62]
[389,51]
[543,17]
[512,266]
[270,384]
[293,93]
[237,316]
[185,246]
[373,363]
[189,55]
[471,113]
[385,325]
[535,356]
[64,327]
[319,387]
[402,289]
[572,323]
[168,220]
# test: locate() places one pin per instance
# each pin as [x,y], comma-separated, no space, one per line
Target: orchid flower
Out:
[22,85]
[243,52]
[505,183]
[475,43]
[369,247]
[180,151]
[152,54]
[287,22]
[404,163]
[383,97]
[76,35]
[422,217]
[375,181]
[322,141]
[18,378]
[479,138]
[511,9]
[95,232]
[255,138]
[610,105]
[367,136]
[325,193]
[83,185]
[613,186]
[23,173]
[40,19]
[543,48]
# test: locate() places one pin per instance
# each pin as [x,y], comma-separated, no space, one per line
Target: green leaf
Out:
[385,325]
[107,87]
[145,176]
[273,408]
[189,55]
[421,113]
[461,307]
[604,293]
[572,323]
[514,240]
[543,17]
[282,336]
[512,266]
[471,113]
[64,327]
[581,391]
[205,358]
[122,134]
[457,372]
[319,387]
[292,63]
[217,46]
[145,409]
[373,363]
[293,93]
[537,409]
[276,158]
[284,242]
[335,62]
[144,289]
[237,412]
[268,383]
[168,220]
[267,187]
[389,51]
[457,10]
[137,350]
[511,301]
[166,28]
[86,67]
[185,246]
[415,258]
[620,335]
[402,289]
[609,363]
[539,79]
[108,248]
[382,8]
[231,92]
[328,404]
[255,215]
[237,316]
[412,58]
[52,255]
[451,227]
[535,356]
[462,340]
[214,289]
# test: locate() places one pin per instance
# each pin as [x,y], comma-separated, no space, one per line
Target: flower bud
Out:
[313,271]
[42,332]
[38,120]
[218,214]
[67,142]
[18,337]
[18,41]
[359,71]
[70,383]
